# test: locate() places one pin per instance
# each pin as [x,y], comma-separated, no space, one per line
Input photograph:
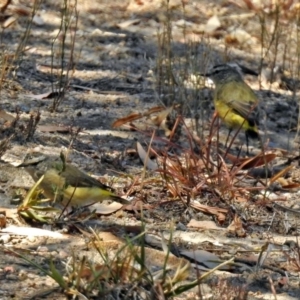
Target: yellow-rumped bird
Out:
[65,184]
[235,102]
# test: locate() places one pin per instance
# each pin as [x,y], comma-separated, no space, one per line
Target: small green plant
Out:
[33,209]
[130,272]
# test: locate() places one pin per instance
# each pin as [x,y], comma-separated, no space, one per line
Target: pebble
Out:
[31,239]
[22,275]
[63,254]
[42,249]
[5,238]
[181,226]
[12,277]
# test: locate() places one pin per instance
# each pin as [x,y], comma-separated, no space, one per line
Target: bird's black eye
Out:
[216,70]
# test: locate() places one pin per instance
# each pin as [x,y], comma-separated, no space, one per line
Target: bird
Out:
[235,102]
[66,184]
[242,69]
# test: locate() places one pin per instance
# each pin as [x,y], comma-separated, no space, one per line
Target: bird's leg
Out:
[229,132]
[247,142]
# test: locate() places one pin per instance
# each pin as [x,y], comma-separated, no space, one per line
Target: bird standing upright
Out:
[234,100]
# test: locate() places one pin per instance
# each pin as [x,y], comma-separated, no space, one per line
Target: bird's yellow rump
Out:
[234,100]
[65,184]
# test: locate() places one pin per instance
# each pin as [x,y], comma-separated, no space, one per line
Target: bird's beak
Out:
[248,71]
[208,81]
[204,74]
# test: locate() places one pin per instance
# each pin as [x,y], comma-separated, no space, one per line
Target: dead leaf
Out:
[240,36]
[135,116]
[236,227]
[212,24]
[11,213]
[283,281]
[103,209]
[259,160]
[128,23]
[13,159]
[219,212]
[53,128]
[234,159]
[9,21]
[282,181]
[250,5]
[20,10]
[280,173]
[2,219]
[46,95]
[240,198]
[6,116]
[161,116]
[291,186]
[204,225]
[127,119]
[208,259]
[31,231]
[150,164]
[230,40]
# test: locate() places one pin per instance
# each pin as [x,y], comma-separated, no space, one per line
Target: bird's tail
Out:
[252,132]
[119,199]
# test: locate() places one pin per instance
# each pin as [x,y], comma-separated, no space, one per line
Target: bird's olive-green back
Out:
[237,95]
[74,177]
[68,175]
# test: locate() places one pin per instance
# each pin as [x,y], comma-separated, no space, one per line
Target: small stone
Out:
[22,275]
[5,238]
[63,254]
[212,24]
[31,239]
[42,249]
[181,227]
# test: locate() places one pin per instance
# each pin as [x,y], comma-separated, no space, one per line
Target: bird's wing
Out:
[244,109]
[242,99]
[77,178]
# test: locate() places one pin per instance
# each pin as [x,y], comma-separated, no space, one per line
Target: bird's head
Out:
[227,72]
